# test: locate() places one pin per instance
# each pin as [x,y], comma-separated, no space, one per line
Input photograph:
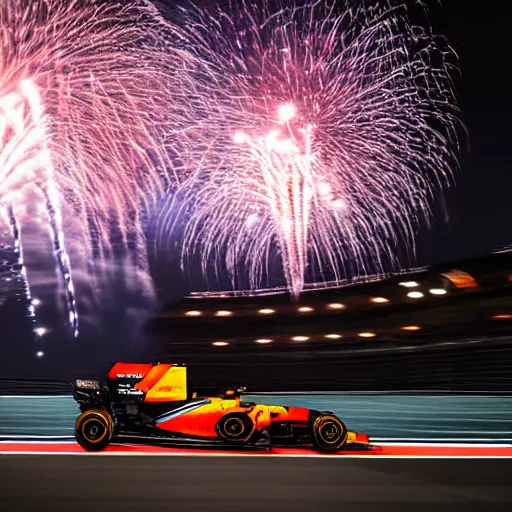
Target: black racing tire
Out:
[235,427]
[328,433]
[94,429]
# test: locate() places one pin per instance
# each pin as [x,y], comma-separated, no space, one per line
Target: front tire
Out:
[235,427]
[94,429]
[328,433]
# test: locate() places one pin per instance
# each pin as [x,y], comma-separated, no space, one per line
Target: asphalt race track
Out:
[466,465]
[145,483]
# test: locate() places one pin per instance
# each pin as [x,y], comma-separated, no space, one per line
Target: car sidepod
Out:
[212,418]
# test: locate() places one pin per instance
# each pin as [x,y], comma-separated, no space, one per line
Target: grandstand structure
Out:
[435,327]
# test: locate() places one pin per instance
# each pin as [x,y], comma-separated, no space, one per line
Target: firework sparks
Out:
[326,130]
[288,185]
[85,101]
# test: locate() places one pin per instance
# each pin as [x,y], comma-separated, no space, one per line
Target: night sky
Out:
[472,219]
[479,207]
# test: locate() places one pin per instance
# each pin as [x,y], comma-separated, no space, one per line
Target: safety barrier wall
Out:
[34,387]
[397,416]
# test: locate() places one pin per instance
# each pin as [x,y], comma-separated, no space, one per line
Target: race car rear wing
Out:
[90,393]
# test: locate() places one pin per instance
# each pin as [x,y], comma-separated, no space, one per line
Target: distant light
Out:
[415,295]
[437,291]
[36,302]
[367,335]
[411,328]
[336,305]
[305,309]
[40,331]
[379,300]
[267,311]
[333,336]
[300,338]
[220,343]
[40,354]
[264,341]
[193,313]
[409,284]
[461,279]
[223,312]
[502,317]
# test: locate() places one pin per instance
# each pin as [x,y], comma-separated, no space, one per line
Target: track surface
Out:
[128,478]
[247,484]
[455,417]
[383,450]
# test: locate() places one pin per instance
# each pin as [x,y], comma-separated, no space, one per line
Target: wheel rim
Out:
[234,428]
[94,430]
[330,432]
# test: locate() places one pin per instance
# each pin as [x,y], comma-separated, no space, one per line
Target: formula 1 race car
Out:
[151,402]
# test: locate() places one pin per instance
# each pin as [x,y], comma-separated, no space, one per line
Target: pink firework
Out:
[326,130]
[86,92]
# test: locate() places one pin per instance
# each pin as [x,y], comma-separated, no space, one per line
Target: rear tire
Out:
[235,427]
[94,429]
[328,433]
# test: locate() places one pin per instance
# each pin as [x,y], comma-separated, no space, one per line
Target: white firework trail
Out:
[325,129]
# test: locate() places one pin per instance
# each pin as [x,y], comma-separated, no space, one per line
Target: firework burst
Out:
[326,130]
[85,101]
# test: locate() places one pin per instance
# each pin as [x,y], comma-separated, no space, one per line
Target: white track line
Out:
[383,441]
[439,440]
[20,438]
[432,393]
[296,456]
[70,440]
[37,396]
[449,445]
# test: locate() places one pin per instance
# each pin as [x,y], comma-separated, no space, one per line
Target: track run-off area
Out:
[383,450]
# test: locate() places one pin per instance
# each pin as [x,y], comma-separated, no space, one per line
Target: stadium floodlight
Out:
[409,284]
[379,300]
[266,311]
